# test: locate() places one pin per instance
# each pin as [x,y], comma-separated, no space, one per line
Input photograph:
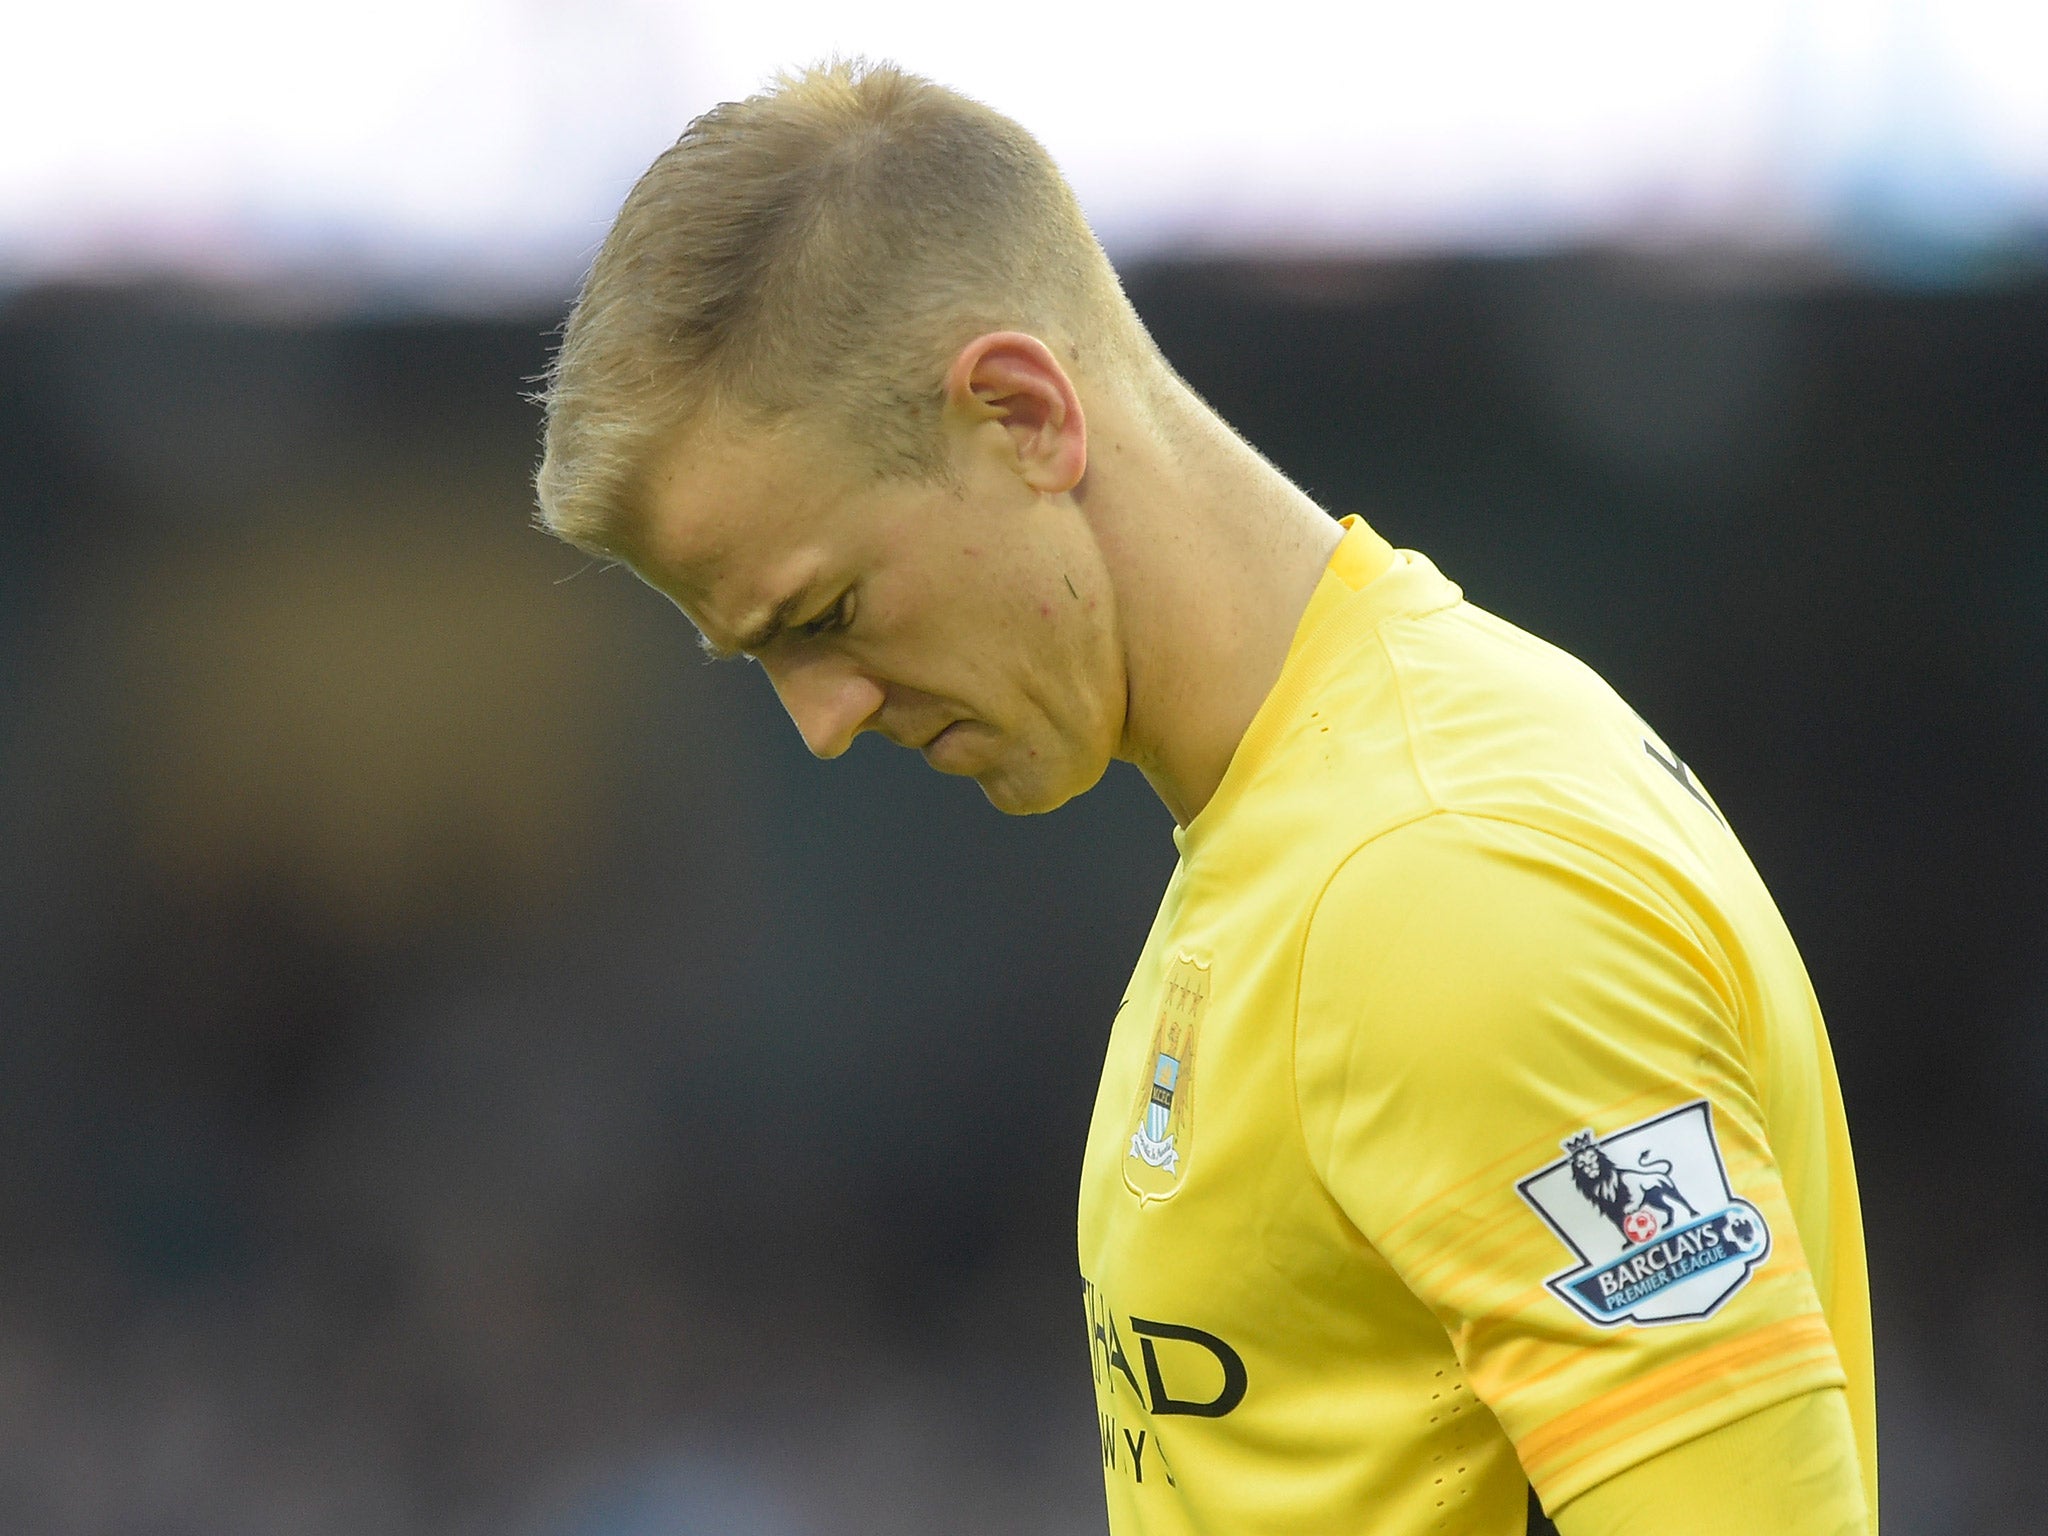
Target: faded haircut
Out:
[822,248]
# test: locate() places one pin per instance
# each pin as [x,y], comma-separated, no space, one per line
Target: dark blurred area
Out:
[466,1069]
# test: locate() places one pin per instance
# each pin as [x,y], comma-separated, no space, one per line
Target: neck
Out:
[1214,554]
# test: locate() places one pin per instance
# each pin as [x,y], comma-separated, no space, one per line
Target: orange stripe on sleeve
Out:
[1684,1399]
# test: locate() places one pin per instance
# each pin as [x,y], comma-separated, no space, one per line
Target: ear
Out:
[1013,379]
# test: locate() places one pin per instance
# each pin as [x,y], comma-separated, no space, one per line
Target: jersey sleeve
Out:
[1521,1076]
[1790,1469]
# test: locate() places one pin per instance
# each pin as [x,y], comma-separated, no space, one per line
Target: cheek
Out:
[1081,685]
[1099,659]
[1015,627]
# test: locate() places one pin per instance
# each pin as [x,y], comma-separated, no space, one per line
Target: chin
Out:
[1044,788]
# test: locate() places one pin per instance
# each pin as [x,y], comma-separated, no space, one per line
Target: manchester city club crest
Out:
[1157,1157]
[1658,1234]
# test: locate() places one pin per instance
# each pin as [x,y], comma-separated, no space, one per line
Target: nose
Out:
[830,700]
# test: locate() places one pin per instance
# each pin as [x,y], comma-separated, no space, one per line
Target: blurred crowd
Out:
[466,1069]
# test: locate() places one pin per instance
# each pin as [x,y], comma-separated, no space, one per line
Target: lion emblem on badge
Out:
[1633,1198]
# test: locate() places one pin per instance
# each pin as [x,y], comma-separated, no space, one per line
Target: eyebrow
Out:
[757,639]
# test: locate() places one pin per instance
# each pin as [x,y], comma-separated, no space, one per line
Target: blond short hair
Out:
[823,247]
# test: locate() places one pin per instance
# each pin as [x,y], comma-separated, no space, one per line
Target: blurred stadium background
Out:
[463,1069]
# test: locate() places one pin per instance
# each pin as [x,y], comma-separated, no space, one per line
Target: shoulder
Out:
[1498,719]
[1479,879]
[1495,934]
[1463,975]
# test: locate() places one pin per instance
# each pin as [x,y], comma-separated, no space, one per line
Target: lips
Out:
[945,743]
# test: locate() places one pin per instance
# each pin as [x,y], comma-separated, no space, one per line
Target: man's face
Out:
[975,623]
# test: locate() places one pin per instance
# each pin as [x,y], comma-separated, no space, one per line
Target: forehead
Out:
[737,524]
[719,500]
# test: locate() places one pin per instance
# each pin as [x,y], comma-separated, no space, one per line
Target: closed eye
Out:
[838,616]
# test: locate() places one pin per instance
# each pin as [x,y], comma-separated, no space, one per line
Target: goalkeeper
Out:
[1468,1127]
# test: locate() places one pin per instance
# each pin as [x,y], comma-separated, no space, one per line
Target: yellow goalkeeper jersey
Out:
[1469,1121]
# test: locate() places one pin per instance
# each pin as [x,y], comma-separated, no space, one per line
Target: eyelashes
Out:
[837,617]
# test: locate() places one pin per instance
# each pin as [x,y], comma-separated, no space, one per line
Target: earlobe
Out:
[1013,379]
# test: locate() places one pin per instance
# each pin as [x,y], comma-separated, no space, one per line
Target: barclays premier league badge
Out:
[1659,1235]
